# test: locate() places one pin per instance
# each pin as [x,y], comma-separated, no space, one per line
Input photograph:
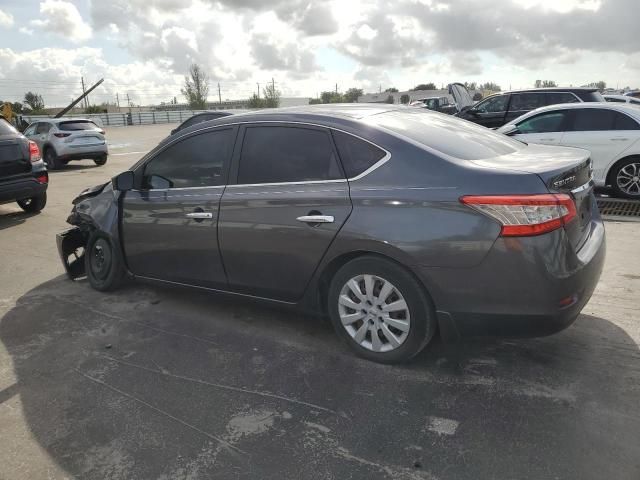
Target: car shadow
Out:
[75,166]
[11,219]
[156,382]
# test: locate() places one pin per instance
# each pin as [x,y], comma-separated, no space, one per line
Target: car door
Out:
[595,130]
[42,134]
[490,112]
[286,207]
[522,103]
[169,220]
[546,128]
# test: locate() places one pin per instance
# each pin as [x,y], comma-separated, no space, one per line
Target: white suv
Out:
[62,140]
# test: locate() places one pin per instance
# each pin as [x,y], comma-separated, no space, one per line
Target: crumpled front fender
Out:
[71,247]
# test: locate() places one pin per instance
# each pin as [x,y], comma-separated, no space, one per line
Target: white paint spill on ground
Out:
[442,426]
[317,426]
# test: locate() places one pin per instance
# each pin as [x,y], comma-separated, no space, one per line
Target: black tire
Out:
[103,263]
[51,159]
[33,204]
[628,166]
[422,325]
[101,160]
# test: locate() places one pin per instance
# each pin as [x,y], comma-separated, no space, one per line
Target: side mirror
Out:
[511,130]
[123,181]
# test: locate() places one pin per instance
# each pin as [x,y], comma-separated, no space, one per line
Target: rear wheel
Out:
[380,310]
[33,204]
[51,159]
[101,160]
[103,263]
[626,179]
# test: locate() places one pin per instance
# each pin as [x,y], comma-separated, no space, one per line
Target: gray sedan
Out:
[396,223]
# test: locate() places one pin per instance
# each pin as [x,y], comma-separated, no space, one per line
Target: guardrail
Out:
[124,119]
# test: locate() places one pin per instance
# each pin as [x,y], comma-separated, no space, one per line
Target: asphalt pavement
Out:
[162,383]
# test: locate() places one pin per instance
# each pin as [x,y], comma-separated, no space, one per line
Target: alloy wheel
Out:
[374,313]
[628,179]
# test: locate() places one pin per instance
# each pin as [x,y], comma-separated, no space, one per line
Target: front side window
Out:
[593,120]
[197,161]
[553,98]
[545,122]
[357,155]
[43,127]
[493,104]
[526,101]
[31,129]
[274,154]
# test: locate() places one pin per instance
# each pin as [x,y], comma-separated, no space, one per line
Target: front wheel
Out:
[626,179]
[380,310]
[100,160]
[52,160]
[33,204]
[103,263]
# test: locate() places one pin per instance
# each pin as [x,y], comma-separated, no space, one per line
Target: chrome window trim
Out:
[373,167]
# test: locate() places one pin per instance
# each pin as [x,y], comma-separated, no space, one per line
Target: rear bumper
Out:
[18,189]
[525,287]
[68,152]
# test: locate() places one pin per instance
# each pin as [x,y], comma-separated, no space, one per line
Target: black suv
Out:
[23,175]
[496,110]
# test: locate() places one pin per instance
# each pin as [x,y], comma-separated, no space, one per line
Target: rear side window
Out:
[594,96]
[624,122]
[77,125]
[197,161]
[43,127]
[615,100]
[287,154]
[553,98]
[635,102]
[593,119]
[526,101]
[357,155]
[6,128]
[545,122]
[493,104]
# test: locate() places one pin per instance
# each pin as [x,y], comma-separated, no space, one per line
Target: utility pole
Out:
[258,84]
[128,102]
[219,94]
[118,101]
[336,88]
[86,104]
[273,85]
[380,89]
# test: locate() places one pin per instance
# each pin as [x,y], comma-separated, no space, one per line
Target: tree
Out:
[545,84]
[196,87]
[95,109]
[600,85]
[271,97]
[34,101]
[255,102]
[17,107]
[351,95]
[425,86]
[404,99]
[314,101]
[391,90]
[471,86]
[390,99]
[492,87]
[331,97]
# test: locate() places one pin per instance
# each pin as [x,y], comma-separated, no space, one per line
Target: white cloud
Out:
[64,19]
[6,19]
[26,31]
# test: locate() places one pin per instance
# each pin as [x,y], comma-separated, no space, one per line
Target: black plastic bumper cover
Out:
[71,245]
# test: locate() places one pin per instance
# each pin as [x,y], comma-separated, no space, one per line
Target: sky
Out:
[144,48]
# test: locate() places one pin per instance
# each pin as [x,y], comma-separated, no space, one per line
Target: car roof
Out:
[554,89]
[627,108]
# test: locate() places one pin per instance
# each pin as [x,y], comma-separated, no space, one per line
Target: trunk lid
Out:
[461,95]
[14,156]
[563,170]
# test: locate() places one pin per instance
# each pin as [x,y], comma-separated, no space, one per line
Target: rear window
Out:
[595,96]
[77,125]
[6,128]
[448,135]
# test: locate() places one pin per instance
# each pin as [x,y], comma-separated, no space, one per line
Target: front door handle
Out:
[547,139]
[316,219]
[199,215]
[619,139]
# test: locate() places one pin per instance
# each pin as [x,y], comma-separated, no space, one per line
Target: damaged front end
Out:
[96,208]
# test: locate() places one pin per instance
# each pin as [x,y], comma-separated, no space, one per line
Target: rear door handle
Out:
[199,215]
[548,139]
[316,219]
[619,139]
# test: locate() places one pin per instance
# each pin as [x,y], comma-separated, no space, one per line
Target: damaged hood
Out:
[89,192]
[461,95]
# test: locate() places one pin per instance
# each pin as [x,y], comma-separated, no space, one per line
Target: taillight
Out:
[61,135]
[525,215]
[34,152]
[42,178]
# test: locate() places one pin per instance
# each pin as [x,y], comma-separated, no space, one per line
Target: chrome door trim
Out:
[316,219]
[199,215]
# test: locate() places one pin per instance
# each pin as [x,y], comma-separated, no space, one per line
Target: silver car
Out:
[64,139]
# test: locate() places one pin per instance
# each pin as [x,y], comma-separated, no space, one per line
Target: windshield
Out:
[77,125]
[451,136]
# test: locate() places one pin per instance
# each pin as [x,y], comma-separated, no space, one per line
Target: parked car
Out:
[634,93]
[23,175]
[437,104]
[622,99]
[199,118]
[62,140]
[610,131]
[395,222]
[500,108]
